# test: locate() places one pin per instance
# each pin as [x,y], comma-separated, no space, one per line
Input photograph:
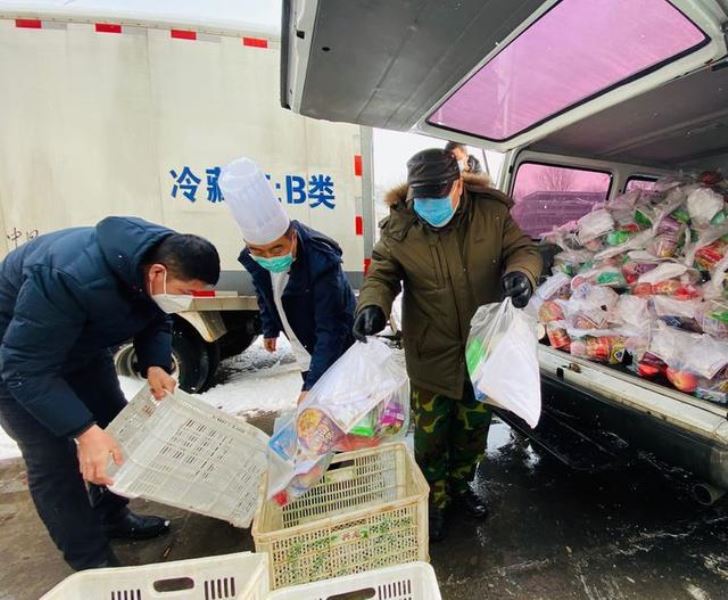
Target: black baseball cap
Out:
[431,173]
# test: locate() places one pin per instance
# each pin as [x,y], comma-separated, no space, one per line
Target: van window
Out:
[548,196]
[646,184]
[575,51]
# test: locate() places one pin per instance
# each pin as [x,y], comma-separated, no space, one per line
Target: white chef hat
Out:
[251,199]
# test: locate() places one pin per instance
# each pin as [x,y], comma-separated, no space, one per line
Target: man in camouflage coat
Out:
[451,243]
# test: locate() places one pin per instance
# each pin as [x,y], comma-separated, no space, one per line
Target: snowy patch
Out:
[8,448]
[254,382]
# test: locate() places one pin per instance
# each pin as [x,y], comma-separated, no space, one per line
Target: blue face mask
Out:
[276,264]
[436,211]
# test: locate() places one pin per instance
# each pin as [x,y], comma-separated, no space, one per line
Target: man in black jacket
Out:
[66,298]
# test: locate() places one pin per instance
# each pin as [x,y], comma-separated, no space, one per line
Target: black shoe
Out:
[437,524]
[137,527]
[108,561]
[472,504]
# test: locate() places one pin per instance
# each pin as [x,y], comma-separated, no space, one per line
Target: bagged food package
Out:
[631,310]
[366,376]
[714,390]
[636,242]
[649,366]
[360,402]
[556,286]
[502,360]
[551,310]
[288,475]
[605,348]
[669,279]
[558,335]
[683,352]
[638,263]
[705,238]
[610,276]
[595,296]
[594,225]
[664,245]
[703,205]
[708,257]
[664,257]
[682,314]
[715,287]
[624,203]
[712,317]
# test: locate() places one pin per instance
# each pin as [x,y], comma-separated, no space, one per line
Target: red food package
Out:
[650,366]
[709,256]
[350,443]
[666,288]
[683,380]
[642,289]
[550,311]
[558,338]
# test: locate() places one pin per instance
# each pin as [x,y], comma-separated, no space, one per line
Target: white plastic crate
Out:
[369,513]
[242,576]
[184,453]
[412,581]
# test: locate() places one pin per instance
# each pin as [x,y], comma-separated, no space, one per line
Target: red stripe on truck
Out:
[203,293]
[28,23]
[367,264]
[359,225]
[108,28]
[358,169]
[255,42]
[181,34]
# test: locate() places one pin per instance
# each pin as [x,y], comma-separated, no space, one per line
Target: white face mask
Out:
[171,303]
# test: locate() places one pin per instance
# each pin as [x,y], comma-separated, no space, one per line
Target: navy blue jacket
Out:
[318,300]
[67,296]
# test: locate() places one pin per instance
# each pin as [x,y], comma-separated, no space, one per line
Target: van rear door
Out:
[499,74]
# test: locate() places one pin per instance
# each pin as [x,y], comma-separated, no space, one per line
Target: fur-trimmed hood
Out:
[475,183]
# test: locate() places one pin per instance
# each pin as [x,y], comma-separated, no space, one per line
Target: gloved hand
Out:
[369,321]
[518,287]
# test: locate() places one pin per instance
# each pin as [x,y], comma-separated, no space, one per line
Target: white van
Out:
[132,111]
[618,92]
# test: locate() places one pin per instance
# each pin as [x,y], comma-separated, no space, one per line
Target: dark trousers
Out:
[73,514]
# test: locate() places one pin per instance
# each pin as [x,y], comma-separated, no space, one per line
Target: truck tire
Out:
[194,361]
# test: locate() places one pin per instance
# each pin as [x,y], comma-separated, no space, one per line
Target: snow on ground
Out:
[256,381]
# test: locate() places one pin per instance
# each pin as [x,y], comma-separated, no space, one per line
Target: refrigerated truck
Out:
[131,116]
[615,94]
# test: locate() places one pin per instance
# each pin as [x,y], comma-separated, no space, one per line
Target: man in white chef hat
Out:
[301,287]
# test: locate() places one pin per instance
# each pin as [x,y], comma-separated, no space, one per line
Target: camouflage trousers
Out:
[450,440]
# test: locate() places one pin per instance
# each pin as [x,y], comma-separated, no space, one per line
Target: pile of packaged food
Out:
[360,402]
[641,282]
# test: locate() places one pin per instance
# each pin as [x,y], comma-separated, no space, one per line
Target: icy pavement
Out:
[255,381]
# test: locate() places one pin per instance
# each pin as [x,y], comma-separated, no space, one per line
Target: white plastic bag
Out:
[365,376]
[703,205]
[360,402]
[595,224]
[502,359]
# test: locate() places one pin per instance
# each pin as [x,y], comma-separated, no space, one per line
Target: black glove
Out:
[369,321]
[518,287]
